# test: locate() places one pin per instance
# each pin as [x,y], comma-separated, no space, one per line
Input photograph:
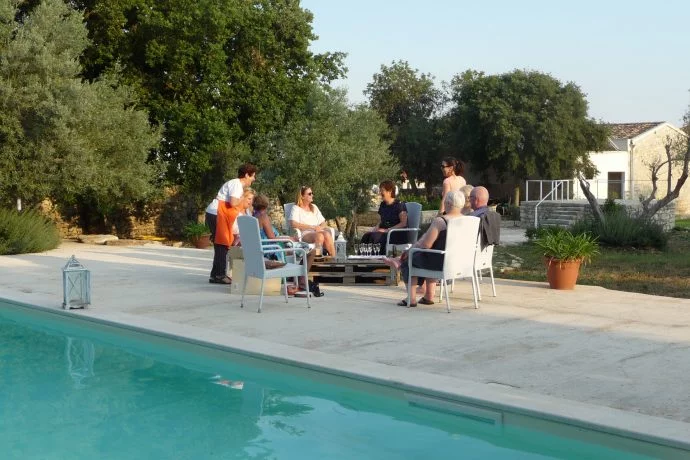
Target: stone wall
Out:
[165,217]
[666,217]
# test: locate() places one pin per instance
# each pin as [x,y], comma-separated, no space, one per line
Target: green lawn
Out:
[683,223]
[647,271]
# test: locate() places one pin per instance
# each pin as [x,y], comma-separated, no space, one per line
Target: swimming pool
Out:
[73,388]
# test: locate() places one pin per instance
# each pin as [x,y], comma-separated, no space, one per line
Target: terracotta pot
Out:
[201,241]
[562,274]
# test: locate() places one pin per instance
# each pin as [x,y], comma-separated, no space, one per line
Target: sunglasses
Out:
[445,166]
[310,193]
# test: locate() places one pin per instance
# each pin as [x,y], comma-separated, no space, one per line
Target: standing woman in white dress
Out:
[306,217]
[453,180]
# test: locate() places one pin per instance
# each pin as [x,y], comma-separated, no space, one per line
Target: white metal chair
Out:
[483,260]
[287,208]
[458,260]
[254,260]
[414,218]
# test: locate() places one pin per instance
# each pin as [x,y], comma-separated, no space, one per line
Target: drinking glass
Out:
[370,249]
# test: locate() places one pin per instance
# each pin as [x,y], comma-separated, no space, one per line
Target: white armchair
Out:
[254,265]
[458,260]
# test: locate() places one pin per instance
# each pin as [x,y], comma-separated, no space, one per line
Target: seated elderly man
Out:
[490,223]
[434,238]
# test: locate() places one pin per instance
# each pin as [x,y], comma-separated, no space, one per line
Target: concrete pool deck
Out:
[606,348]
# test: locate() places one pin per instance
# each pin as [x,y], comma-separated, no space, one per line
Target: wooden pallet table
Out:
[355,271]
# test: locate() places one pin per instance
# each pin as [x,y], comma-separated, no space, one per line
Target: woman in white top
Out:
[452,172]
[245,208]
[305,216]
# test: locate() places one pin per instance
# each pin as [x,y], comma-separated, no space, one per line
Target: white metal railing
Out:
[566,189]
[536,190]
[557,185]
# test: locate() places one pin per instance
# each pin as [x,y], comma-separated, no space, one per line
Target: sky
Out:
[630,58]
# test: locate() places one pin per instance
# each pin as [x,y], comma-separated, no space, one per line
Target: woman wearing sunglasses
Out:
[306,217]
[453,180]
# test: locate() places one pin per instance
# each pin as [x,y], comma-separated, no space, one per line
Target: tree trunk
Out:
[593,202]
[516,196]
[351,228]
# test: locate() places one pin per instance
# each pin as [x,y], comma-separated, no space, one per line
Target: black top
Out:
[390,213]
[432,261]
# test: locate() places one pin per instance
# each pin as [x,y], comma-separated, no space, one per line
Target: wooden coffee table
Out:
[355,270]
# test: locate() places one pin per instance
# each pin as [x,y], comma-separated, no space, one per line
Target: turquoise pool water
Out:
[74,390]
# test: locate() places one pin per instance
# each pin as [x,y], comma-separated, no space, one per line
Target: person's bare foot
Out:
[392,262]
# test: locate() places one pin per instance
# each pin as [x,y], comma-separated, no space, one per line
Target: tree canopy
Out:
[411,104]
[338,151]
[212,73]
[522,124]
[60,137]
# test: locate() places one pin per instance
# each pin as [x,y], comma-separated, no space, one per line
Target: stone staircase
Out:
[554,213]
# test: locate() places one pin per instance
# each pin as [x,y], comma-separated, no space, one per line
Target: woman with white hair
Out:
[434,238]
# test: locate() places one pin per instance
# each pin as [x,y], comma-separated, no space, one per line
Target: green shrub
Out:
[427,205]
[610,208]
[565,246]
[195,230]
[620,229]
[513,212]
[25,232]
[539,232]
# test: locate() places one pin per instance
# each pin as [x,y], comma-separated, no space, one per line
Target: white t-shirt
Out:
[301,216]
[232,188]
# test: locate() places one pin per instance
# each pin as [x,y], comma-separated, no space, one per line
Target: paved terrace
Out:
[608,348]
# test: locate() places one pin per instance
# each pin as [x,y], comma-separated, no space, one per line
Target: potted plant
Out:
[198,234]
[563,253]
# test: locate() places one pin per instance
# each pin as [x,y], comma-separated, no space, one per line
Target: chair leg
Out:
[244,288]
[479,290]
[285,289]
[411,290]
[306,283]
[452,285]
[261,295]
[445,286]
[475,288]
[493,285]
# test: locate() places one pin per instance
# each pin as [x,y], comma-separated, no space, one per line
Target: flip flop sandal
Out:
[403,303]
[424,301]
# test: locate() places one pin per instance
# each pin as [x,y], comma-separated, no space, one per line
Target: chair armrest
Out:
[394,230]
[291,250]
[278,241]
[271,247]
[430,251]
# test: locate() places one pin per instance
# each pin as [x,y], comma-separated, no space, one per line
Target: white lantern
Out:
[340,249]
[76,285]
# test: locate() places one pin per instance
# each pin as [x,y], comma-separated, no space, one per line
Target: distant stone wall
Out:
[666,217]
[165,217]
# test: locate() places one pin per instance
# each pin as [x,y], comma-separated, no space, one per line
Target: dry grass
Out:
[664,273]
